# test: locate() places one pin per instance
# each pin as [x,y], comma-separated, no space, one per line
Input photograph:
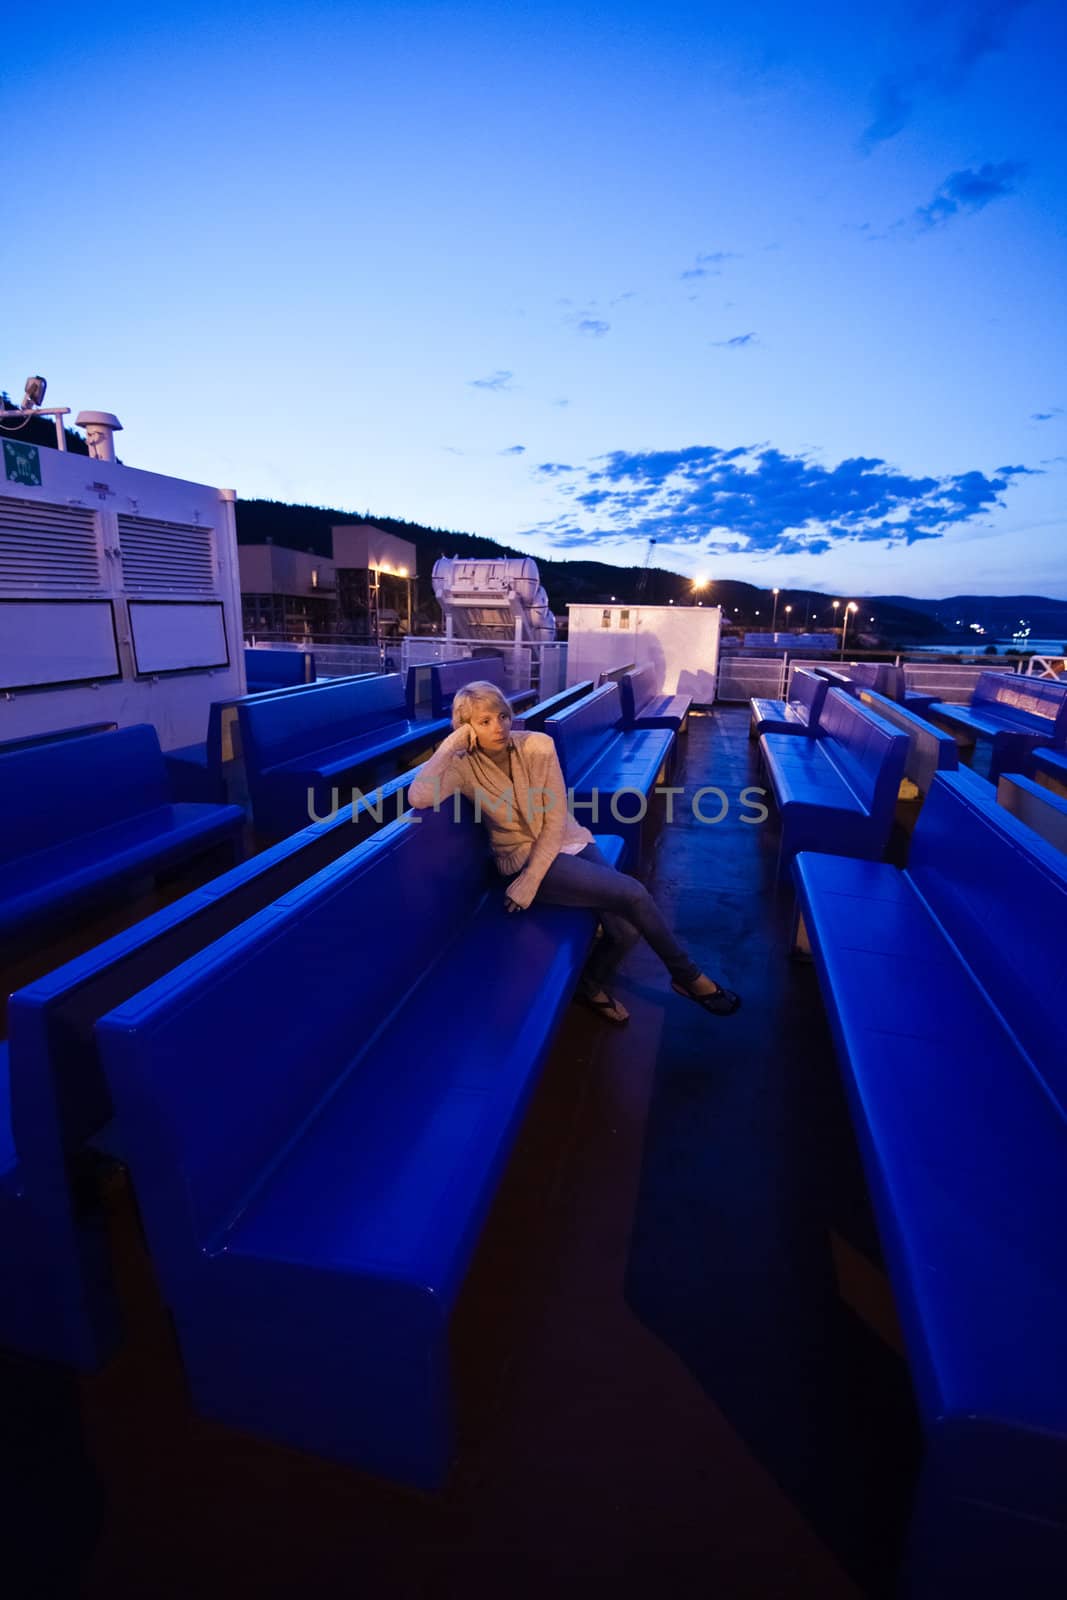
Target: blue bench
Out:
[533,720]
[930,750]
[1036,807]
[838,791]
[278,669]
[1049,767]
[798,714]
[56,1296]
[313,1173]
[600,757]
[644,707]
[56,736]
[82,819]
[199,771]
[301,751]
[949,1034]
[1016,715]
[448,677]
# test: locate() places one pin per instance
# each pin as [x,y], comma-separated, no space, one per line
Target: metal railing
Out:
[538,666]
[768,677]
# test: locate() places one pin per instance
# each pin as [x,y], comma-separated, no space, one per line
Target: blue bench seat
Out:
[798,714]
[199,771]
[448,677]
[1036,807]
[57,1300]
[278,669]
[313,1175]
[84,817]
[299,748]
[643,706]
[598,757]
[949,1034]
[930,750]
[1049,767]
[1015,714]
[55,736]
[838,791]
[533,720]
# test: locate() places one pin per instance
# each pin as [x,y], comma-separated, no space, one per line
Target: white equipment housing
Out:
[493,599]
[119,597]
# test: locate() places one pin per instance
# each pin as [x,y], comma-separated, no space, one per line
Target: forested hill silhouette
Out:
[308,528]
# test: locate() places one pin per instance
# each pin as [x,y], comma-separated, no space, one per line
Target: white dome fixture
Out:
[100,429]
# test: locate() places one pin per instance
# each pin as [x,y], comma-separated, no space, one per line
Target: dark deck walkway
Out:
[676,1347]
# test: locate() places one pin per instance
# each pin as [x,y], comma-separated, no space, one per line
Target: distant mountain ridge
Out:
[897,616]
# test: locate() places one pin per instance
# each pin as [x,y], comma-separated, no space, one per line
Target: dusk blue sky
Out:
[781,286]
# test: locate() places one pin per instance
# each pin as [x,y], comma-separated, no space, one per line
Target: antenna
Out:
[642,579]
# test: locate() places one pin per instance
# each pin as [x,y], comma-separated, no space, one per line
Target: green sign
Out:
[22,462]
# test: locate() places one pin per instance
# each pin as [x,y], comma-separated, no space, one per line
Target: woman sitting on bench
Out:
[514,780]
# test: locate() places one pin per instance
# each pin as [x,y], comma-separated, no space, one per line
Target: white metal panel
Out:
[56,642]
[174,637]
[46,548]
[160,557]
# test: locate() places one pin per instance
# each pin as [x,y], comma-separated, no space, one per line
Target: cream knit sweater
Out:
[526,815]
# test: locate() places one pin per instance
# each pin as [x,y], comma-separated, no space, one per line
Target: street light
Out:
[774,617]
[851,607]
[788,609]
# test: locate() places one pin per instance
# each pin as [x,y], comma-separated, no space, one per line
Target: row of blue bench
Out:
[949,1031]
[60,1302]
[311,1188]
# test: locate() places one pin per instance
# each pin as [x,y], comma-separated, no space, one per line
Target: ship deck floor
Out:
[679,1364]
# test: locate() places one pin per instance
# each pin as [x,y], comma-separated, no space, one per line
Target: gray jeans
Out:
[626,910]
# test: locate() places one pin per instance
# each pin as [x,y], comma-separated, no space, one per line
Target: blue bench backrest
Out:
[583,731]
[278,667]
[1043,699]
[50,793]
[637,689]
[446,677]
[867,751]
[985,877]
[929,749]
[335,957]
[807,691]
[55,736]
[282,728]
[534,720]
[881,676]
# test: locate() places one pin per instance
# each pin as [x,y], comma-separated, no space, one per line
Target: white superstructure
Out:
[119,596]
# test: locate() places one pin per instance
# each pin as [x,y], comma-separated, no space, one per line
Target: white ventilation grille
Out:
[47,549]
[166,557]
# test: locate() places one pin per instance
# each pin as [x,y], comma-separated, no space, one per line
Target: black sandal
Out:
[608,1008]
[719,1003]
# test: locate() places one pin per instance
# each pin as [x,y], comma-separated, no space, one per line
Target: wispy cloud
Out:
[496,380]
[963,193]
[513,450]
[736,343]
[755,499]
[971,32]
[594,327]
[709,264]
[1046,416]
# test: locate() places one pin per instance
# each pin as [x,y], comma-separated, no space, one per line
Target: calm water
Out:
[1040,647]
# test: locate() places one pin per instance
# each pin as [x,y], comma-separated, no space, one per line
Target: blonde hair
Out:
[472,695]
